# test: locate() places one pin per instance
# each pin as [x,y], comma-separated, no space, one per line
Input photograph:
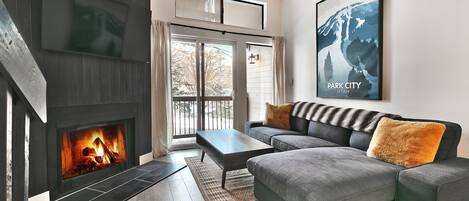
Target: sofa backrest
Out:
[349,118]
[338,135]
[299,125]
[361,140]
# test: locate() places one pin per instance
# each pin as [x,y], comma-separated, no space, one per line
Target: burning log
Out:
[98,159]
[89,151]
[116,154]
[87,163]
[107,151]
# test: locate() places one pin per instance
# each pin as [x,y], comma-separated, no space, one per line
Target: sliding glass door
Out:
[202,86]
[217,86]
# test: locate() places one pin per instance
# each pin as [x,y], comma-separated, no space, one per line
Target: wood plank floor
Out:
[180,186]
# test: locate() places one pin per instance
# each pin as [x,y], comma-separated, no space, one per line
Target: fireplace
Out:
[89,149]
[87,144]
[88,153]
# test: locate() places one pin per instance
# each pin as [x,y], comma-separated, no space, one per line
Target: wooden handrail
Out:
[19,68]
[208,98]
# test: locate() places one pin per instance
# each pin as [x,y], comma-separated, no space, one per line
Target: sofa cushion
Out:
[265,134]
[292,142]
[299,125]
[441,180]
[323,174]
[360,140]
[330,133]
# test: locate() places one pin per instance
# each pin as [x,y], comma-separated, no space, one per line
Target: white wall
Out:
[426,59]
[166,10]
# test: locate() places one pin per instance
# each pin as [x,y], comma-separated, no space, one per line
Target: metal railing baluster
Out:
[184,115]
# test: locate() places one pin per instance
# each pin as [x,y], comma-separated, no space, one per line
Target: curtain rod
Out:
[223,32]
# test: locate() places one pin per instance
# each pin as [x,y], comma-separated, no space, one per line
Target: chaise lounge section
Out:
[326,162]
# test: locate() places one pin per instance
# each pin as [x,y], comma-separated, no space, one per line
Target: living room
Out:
[269,100]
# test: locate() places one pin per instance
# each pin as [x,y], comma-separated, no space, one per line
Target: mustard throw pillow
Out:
[406,143]
[278,116]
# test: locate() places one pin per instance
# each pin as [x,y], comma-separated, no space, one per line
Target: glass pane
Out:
[184,88]
[218,86]
[207,10]
[183,68]
[259,78]
[243,14]
[218,70]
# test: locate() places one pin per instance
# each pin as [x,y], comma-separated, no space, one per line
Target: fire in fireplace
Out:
[90,149]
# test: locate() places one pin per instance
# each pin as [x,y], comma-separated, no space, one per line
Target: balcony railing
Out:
[217,114]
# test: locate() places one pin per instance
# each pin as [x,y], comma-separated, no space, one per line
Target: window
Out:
[259,72]
[206,10]
[241,13]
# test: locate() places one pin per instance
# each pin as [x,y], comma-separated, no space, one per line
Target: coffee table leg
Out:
[223,178]
[202,158]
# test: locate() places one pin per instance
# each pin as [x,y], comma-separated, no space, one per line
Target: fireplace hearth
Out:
[85,150]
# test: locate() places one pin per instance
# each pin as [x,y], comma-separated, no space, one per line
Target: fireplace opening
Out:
[86,150]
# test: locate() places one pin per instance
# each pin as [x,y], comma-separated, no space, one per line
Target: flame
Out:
[114,147]
[99,150]
[73,149]
[98,133]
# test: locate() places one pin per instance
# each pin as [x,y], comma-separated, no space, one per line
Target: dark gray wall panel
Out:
[78,80]
[37,159]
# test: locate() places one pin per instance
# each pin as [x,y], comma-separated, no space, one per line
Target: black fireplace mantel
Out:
[76,116]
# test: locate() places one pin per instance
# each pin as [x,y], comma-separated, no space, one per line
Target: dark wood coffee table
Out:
[230,149]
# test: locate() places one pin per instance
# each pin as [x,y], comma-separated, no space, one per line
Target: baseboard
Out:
[145,158]
[41,197]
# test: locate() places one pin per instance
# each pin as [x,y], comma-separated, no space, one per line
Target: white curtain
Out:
[160,88]
[279,70]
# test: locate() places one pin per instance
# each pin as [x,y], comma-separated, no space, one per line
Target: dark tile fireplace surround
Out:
[70,122]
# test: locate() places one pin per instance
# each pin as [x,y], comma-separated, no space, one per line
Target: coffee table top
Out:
[230,141]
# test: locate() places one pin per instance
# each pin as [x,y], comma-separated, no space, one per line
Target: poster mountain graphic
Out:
[328,68]
[348,45]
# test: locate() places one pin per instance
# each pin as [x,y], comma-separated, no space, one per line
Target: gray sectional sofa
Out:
[320,162]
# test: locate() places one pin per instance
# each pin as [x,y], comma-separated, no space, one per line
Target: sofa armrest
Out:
[252,124]
[441,180]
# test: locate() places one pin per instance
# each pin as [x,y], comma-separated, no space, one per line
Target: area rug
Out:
[239,184]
